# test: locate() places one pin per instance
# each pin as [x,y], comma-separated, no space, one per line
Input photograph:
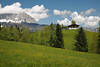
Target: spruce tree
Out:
[0,26]
[42,42]
[3,33]
[16,34]
[98,40]
[11,33]
[24,34]
[59,37]
[81,41]
[52,35]
[31,37]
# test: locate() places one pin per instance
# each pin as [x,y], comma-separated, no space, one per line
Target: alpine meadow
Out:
[49,33]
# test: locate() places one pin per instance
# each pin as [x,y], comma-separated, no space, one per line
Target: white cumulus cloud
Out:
[87,12]
[62,13]
[14,8]
[38,12]
[85,21]
[64,22]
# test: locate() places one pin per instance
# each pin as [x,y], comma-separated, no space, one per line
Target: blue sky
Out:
[75,5]
[72,5]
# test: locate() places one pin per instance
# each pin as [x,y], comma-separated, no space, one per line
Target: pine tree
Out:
[42,42]
[11,33]
[3,33]
[24,34]
[98,40]
[81,41]
[0,26]
[59,37]
[52,35]
[31,37]
[16,33]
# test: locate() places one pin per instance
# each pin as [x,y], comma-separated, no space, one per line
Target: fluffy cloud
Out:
[14,8]
[0,6]
[85,21]
[37,12]
[64,22]
[62,13]
[87,12]
[92,21]
[78,18]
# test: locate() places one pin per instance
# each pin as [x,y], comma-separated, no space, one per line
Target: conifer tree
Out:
[11,34]
[42,37]
[16,34]
[31,37]
[24,34]
[52,35]
[59,37]
[3,33]
[81,41]
[98,40]
[0,26]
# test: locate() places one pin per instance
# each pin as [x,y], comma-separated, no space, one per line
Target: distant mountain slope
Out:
[24,17]
[17,54]
[31,26]
[16,18]
[21,19]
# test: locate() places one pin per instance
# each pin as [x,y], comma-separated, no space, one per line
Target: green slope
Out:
[17,54]
[69,39]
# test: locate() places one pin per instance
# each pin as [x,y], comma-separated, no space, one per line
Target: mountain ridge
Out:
[16,18]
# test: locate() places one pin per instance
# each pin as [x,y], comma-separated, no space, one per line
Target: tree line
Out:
[14,33]
[56,39]
[49,36]
[42,37]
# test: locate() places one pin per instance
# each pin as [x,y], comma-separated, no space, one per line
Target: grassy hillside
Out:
[69,39]
[17,54]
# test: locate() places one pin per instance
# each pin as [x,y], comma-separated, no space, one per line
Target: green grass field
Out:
[17,54]
[69,39]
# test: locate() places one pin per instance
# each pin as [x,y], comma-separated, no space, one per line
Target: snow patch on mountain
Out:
[16,18]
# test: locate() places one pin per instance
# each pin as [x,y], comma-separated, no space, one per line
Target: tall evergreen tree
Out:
[16,33]
[42,40]
[13,33]
[81,41]
[24,34]
[3,33]
[52,35]
[31,37]
[0,26]
[98,40]
[59,37]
